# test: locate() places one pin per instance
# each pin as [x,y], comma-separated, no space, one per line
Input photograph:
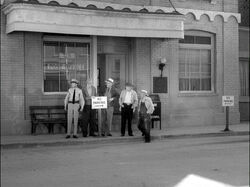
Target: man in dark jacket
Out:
[88,114]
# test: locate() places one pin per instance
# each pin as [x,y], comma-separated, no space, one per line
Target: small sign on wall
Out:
[227,100]
[99,102]
[160,84]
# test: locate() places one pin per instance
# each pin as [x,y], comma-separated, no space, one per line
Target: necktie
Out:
[74,94]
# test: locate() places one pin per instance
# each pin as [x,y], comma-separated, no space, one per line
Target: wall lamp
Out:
[162,64]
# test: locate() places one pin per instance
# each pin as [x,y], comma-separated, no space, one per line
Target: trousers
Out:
[89,120]
[127,114]
[107,119]
[73,113]
[144,125]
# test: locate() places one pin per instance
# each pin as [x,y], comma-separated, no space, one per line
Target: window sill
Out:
[55,93]
[207,94]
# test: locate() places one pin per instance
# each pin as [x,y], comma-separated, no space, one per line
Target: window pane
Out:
[62,62]
[202,40]
[196,40]
[195,69]
[244,77]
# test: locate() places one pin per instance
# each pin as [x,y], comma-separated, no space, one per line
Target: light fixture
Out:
[162,64]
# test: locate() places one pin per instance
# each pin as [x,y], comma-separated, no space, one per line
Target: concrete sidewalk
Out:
[23,141]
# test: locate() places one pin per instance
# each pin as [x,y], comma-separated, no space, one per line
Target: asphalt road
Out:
[157,164]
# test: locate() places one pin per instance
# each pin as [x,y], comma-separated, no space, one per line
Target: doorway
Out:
[111,66]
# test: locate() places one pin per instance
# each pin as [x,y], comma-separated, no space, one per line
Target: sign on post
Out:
[99,102]
[227,100]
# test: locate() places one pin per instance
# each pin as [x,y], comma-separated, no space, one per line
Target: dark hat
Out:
[128,84]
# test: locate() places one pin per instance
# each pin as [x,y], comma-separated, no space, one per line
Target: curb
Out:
[117,140]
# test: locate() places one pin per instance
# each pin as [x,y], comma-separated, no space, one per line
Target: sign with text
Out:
[99,102]
[227,100]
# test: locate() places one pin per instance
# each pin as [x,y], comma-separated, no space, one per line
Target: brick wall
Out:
[12,81]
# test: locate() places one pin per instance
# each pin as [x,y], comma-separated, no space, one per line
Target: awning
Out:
[86,21]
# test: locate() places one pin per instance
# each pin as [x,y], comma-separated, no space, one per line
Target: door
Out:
[115,68]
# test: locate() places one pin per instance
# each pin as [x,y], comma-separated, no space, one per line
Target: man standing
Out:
[145,109]
[128,101]
[73,103]
[111,95]
[88,114]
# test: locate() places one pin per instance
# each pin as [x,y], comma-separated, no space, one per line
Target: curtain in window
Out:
[64,61]
[194,69]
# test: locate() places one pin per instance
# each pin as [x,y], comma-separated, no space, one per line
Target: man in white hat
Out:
[112,96]
[73,103]
[145,109]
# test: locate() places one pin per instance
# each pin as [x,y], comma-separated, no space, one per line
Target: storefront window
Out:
[64,61]
[196,64]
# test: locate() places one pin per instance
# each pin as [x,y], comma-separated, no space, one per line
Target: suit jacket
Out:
[113,94]
[86,95]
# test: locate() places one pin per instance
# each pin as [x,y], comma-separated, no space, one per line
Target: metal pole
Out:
[227,119]
[99,121]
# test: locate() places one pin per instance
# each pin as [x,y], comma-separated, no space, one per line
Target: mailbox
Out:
[156,116]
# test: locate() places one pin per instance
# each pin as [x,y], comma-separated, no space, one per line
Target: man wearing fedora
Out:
[128,101]
[145,109]
[111,95]
[88,114]
[73,103]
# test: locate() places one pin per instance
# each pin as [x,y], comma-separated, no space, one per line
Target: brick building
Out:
[46,43]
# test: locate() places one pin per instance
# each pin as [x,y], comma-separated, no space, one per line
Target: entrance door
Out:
[115,68]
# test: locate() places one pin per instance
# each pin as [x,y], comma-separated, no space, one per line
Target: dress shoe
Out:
[122,134]
[109,134]
[131,135]
[67,137]
[94,135]
[103,134]
[75,136]
[84,135]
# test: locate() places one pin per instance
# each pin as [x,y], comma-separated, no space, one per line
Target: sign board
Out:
[99,102]
[227,100]
[160,84]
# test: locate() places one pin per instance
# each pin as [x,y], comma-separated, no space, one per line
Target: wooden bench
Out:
[48,116]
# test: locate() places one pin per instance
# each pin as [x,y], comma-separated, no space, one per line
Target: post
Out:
[227,119]
[99,121]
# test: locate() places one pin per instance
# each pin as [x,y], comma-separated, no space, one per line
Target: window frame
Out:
[72,39]
[210,47]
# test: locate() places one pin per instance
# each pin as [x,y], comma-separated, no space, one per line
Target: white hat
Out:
[74,81]
[109,80]
[144,91]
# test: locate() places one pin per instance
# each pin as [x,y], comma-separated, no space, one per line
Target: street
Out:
[156,164]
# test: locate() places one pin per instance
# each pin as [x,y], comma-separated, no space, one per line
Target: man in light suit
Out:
[112,95]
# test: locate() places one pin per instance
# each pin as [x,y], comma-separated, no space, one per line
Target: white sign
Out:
[99,102]
[227,100]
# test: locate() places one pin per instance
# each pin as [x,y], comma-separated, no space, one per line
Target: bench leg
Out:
[33,128]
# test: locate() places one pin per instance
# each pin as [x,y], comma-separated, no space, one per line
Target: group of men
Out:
[80,100]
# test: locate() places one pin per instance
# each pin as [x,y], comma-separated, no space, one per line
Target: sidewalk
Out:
[23,141]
